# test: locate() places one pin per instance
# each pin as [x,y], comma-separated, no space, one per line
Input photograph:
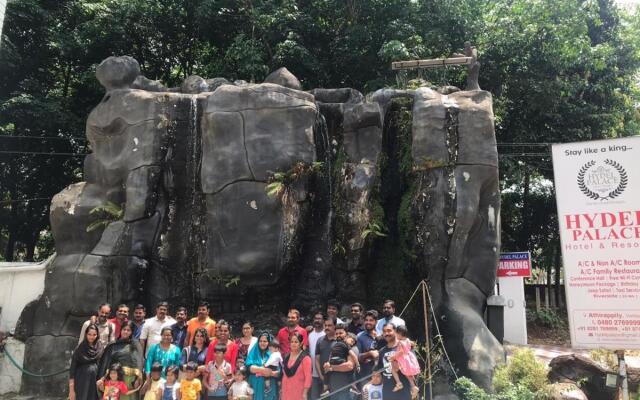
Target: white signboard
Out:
[598,196]
[515,315]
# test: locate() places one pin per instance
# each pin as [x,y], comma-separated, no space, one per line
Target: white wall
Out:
[3,5]
[20,283]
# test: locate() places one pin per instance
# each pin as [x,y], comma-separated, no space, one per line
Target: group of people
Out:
[166,358]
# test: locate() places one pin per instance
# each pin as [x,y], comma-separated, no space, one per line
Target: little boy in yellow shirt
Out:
[190,386]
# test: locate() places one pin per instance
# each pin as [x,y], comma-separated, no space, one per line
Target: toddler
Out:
[240,389]
[171,385]
[404,361]
[373,389]
[151,388]
[274,362]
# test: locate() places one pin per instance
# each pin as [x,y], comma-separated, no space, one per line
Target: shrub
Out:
[519,392]
[467,390]
[522,370]
[547,318]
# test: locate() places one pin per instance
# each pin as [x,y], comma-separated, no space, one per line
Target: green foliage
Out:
[546,317]
[605,357]
[107,213]
[558,70]
[374,228]
[467,390]
[222,280]
[522,373]
[280,182]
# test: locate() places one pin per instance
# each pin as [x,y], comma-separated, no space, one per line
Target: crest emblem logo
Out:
[602,180]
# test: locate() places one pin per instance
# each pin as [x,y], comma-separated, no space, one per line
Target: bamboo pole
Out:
[427,343]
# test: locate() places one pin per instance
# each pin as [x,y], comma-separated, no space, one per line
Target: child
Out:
[114,385]
[151,388]
[218,372]
[404,361]
[340,353]
[171,386]
[190,387]
[274,362]
[351,341]
[373,389]
[240,389]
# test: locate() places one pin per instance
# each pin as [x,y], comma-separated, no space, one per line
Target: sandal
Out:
[398,387]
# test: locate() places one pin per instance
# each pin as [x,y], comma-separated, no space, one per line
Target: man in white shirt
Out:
[388,310]
[316,334]
[106,329]
[153,327]
[333,308]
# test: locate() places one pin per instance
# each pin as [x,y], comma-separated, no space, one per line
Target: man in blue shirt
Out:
[388,310]
[367,342]
[179,329]
[139,313]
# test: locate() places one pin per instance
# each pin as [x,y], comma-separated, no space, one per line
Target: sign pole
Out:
[623,383]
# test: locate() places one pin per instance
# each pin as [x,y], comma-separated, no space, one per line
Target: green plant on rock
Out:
[338,248]
[605,357]
[467,390]
[107,213]
[374,228]
[223,280]
[522,370]
[520,392]
[280,183]
[429,163]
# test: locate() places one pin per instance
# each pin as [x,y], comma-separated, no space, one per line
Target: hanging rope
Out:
[410,300]
[425,295]
[3,349]
[426,340]
[435,320]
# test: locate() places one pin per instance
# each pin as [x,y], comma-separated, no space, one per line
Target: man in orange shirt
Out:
[201,321]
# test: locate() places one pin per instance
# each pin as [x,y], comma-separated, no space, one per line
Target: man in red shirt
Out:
[293,325]
[122,317]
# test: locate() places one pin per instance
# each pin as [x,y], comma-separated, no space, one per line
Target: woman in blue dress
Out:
[257,357]
[197,353]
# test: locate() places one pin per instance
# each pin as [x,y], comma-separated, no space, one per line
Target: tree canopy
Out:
[559,71]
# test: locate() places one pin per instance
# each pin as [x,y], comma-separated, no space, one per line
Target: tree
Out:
[559,70]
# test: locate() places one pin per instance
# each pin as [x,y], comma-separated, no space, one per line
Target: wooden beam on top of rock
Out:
[432,63]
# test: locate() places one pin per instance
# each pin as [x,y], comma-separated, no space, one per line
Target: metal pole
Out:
[623,389]
[427,340]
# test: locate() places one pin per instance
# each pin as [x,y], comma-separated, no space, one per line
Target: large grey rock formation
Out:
[456,209]
[191,167]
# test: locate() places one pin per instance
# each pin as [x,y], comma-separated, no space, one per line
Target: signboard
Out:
[597,187]
[515,264]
